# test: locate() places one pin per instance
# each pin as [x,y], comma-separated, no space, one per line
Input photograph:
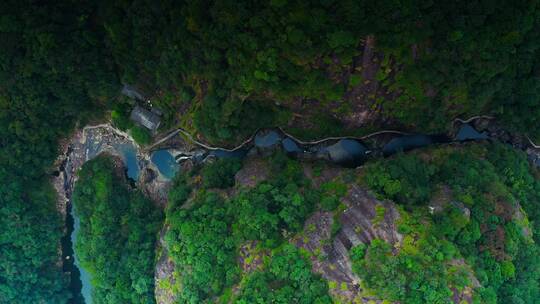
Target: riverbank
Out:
[84,145]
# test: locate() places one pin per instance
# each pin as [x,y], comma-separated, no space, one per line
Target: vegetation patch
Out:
[117,238]
[208,233]
[286,278]
[483,224]
[220,173]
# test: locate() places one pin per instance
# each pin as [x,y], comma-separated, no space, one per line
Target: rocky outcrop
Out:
[534,156]
[152,185]
[360,222]
[164,274]
[253,172]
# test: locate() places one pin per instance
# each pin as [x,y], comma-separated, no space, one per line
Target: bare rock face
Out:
[249,257]
[164,274]
[362,213]
[534,156]
[253,172]
[361,222]
[153,186]
[326,174]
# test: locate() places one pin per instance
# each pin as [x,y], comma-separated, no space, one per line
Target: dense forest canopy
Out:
[52,73]
[434,60]
[116,243]
[221,69]
[204,233]
[491,194]
[466,215]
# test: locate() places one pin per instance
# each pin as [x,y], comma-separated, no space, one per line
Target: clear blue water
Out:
[165,163]
[467,132]
[129,156]
[84,276]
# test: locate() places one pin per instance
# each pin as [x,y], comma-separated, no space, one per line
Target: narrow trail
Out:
[193,140]
[245,142]
[303,142]
[532,143]
[473,118]
[199,143]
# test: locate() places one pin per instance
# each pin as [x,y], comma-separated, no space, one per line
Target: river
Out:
[343,151]
[86,146]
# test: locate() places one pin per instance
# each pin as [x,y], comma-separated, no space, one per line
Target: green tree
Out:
[117,238]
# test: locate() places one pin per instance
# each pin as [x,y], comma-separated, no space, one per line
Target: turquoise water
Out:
[129,156]
[165,163]
[84,276]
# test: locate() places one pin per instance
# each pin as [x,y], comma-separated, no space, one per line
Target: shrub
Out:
[141,135]
[220,173]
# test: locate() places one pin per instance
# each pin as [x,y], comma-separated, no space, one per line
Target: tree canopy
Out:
[488,194]
[117,239]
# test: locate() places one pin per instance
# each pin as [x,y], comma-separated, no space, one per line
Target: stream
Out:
[85,146]
[343,151]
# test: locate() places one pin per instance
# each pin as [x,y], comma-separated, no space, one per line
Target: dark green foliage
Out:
[278,206]
[451,221]
[438,59]
[267,211]
[141,135]
[120,116]
[469,53]
[116,242]
[524,287]
[53,71]
[513,168]
[236,60]
[336,226]
[285,170]
[358,252]
[405,179]
[419,273]
[200,243]
[179,192]
[226,119]
[220,174]
[325,124]
[331,193]
[287,278]
[31,230]
[489,181]
[206,231]
[407,278]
